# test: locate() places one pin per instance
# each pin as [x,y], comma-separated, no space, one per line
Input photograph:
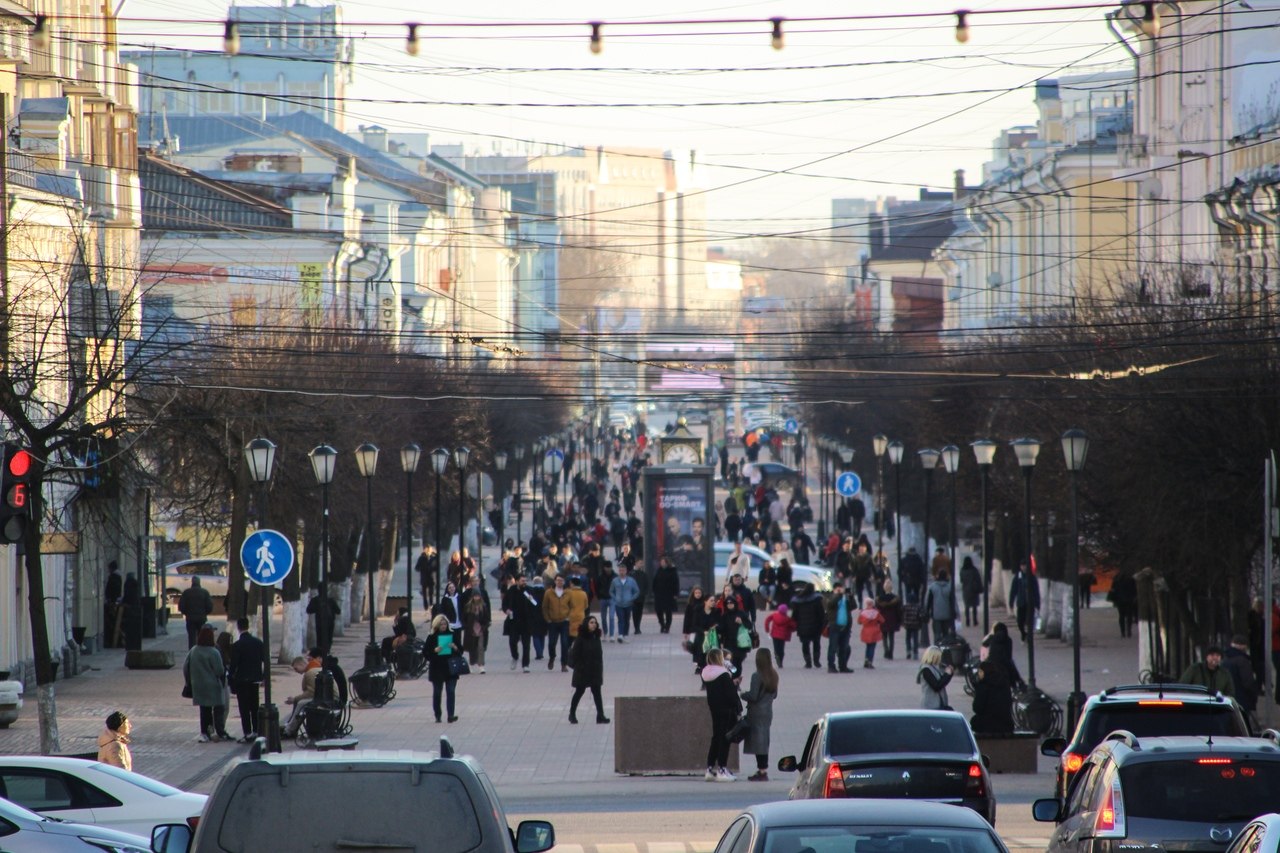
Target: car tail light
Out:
[834,786]
[1072,761]
[193,822]
[1172,703]
[1213,761]
[1109,822]
[974,786]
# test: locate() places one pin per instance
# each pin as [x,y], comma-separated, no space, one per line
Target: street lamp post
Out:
[895,459]
[323,459]
[535,479]
[439,463]
[367,462]
[846,456]
[409,456]
[820,442]
[260,454]
[1027,449]
[1075,445]
[460,456]
[929,460]
[879,443]
[951,462]
[519,454]
[500,463]
[984,451]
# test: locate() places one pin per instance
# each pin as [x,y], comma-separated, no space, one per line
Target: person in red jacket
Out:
[870,620]
[780,626]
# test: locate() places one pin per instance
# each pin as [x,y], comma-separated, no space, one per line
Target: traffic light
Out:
[15,493]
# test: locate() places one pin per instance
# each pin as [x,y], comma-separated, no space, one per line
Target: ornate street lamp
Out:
[519,454]
[951,462]
[1075,446]
[1027,449]
[460,456]
[984,451]
[409,456]
[260,456]
[367,463]
[879,444]
[439,464]
[323,461]
[929,461]
[895,459]
[500,463]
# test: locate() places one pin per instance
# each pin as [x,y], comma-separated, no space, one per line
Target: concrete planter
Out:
[148,659]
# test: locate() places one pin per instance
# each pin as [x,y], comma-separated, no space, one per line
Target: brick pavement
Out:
[516,723]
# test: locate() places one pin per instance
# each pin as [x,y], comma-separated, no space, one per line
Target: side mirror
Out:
[171,838]
[986,762]
[1053,746]
[787,764]
[535,836]
[1047,810]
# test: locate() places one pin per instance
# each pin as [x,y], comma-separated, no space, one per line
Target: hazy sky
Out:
[849,108]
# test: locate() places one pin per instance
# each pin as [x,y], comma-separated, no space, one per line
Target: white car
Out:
[90,792]
[24,831]
[212,572]
[822,579]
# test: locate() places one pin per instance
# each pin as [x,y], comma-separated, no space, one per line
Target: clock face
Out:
[682,453]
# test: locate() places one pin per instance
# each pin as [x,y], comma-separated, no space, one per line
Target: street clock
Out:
[681,447]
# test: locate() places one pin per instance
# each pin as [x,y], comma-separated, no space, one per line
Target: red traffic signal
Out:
[18,462]
[15,507]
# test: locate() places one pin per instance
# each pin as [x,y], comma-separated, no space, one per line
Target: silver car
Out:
[23,831]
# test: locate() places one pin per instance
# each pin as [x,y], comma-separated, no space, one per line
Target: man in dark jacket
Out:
[808,611]
[246,668]
[426,568]
[666,586]
[1235,660]
[1209,673]
[518,605]
[196,604]
[911,572]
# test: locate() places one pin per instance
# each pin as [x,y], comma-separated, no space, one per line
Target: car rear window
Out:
[861,735]
[879,839]
[1235,790]
[1162,721]
[314,811]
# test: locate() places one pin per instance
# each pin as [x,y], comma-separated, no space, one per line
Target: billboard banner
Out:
[678,503]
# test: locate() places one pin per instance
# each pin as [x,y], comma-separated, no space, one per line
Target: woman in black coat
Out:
[725,707]
[666,586]
[731,622]
[992,700]
[693,626]
[442,645]
[1000,652]
[586,656]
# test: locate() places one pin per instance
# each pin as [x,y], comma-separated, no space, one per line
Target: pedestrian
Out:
[725,708]
[940,605]
[579,606]
[441,648]
[767,584]
[693,628]
[911,573]
[759,698]
[537,624]
[476,618]
[111,596]
[890,607]
[839,624]
[1087,580]
[810,615]
[426,568]
[1209,673]
[113,743]
[223,645]
[862,568]
[933,677]
[872,632]
[624,592]
[205,676]
[309,668]
[734,631]
[780,626]
[992,700]
[971,588]
[1124,595]
[586,656]
[556,613]
[518,606]
[912,620]
[326,611]
[641,577]
[999,646]
[248,664]
[196,604]
[666,586]
[1235,661]
[450,607]
[1024,592]
[602,589]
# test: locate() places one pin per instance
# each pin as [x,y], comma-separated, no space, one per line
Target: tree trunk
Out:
[293,630]
[50,744]
[342,594]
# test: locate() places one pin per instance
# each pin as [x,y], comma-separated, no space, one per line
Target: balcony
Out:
[88,74]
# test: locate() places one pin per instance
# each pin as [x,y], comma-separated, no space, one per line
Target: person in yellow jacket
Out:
[557,609]
[113,743]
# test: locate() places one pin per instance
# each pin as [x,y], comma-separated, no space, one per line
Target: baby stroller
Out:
[328,715]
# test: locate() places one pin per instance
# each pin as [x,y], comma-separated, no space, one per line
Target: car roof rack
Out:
[1129,738]
[1158,687]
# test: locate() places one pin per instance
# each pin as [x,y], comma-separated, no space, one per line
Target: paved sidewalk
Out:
[515,723]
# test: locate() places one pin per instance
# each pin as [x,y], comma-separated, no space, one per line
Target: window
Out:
[1238,790]
[1162,721]
[807,755]
[143,782]
[891,733]
[1076,798]
[743,844]
[38,790]
[878,839]
[7,828]
[727,841]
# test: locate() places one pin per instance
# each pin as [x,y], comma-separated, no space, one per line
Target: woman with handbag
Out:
[726,708]
[933,678]
[693,628]
[759,698]
[206,676]
[444,664]
[586,656]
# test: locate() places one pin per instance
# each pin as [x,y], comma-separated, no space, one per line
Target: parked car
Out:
[1262,834]
[1186,794]
[24,831]
[898,754]
[309,799]
[212,572]
[774,475]
[822,579]
[84,791]
[866,826]
[1146,710]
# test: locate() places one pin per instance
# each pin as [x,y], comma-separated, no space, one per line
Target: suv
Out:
[398,798]
[1164,793]
[1146,710]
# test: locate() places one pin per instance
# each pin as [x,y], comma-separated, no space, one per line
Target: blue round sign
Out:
[267,557]
[848,484]
[792,426]
[555,460]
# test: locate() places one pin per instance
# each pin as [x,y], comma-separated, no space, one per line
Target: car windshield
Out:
[899,733]
[160,789]
[1161,721]
[879,839]
[1194,790]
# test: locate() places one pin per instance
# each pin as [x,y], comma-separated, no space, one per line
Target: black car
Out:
[1145,710]
[898,755]
[1184,794]
[864,826]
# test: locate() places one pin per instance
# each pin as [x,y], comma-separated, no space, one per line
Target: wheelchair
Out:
[328,715]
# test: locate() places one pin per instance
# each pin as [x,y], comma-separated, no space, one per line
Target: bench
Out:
[662,736]
[1015,752]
